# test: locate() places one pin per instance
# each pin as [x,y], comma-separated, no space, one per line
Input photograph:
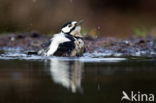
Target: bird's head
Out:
[72,28]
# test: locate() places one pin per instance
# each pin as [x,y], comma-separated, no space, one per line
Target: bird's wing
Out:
[65,48]
[46,44]
[44,47]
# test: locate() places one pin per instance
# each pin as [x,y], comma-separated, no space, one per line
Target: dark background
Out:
[102,17]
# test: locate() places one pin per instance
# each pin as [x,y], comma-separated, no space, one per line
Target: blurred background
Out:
[119,18]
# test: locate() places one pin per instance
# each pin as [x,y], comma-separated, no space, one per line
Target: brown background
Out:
[102,17]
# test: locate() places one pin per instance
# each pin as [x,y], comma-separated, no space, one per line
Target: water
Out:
[35,79]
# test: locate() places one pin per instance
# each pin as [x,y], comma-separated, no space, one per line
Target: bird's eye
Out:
[69,25]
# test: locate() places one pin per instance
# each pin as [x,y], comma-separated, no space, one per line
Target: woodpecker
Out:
[68,42]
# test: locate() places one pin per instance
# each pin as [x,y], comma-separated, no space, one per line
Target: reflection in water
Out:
[28,81]
[67,73]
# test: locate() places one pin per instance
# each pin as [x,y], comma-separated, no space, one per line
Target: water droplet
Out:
[99,87]
[98,27]
[34,1]
[71,1]
[12,38]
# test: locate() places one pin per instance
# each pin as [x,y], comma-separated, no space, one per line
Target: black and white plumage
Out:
[68,42]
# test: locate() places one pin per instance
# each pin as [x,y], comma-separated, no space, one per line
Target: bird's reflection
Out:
[67,73]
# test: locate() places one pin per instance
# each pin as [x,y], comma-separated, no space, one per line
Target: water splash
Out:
[87,57]
[96,56]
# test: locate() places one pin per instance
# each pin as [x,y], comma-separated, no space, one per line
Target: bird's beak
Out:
[80,22]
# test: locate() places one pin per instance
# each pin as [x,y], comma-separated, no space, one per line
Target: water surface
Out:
[35,79]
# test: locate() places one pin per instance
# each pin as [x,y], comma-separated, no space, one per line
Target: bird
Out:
[68,42]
